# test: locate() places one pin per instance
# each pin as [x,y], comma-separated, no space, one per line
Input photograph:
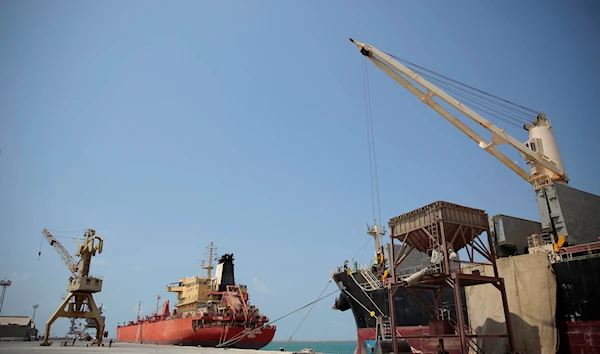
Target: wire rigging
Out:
[533,111]
[514,118]
[493,106]
[241,335]
[309,310]
[362,248]
[55,232]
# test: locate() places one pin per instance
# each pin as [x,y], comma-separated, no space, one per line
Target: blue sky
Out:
[165,127]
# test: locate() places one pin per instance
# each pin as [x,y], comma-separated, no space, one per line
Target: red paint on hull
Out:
[427,346]
[575,338]
[179,331]
[579,337]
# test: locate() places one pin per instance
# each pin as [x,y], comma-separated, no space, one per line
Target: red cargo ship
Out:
[211,312]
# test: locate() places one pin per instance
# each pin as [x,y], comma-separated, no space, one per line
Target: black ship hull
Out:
[578,305]
[413,311]
[577,308]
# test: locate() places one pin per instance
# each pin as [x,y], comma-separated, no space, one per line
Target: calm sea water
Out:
[346,347]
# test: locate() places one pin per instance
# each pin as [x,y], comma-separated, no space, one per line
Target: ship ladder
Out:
[433,218]
[371,279]
[383,331]
[383,328]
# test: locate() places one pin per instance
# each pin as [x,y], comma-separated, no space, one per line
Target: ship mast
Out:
[376,231]
[211,253]
[157,303]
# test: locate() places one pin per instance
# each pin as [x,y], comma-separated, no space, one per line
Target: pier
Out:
[116,348]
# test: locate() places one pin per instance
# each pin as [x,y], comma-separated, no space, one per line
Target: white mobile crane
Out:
[79,303]
[540,152]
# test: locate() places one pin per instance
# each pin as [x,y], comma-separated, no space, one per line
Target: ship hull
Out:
[578,305]
[410,319]
[577,310]
[451,345]
[181,332]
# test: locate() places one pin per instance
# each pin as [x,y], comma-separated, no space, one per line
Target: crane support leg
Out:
[83,306]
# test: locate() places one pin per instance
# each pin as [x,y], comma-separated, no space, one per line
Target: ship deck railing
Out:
[578,252]
[545,243]
[372,282]
[536,241]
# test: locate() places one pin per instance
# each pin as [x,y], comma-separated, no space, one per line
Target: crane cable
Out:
[42,242]
[373,171]
[465,86]
[41,245]
[309,310]
[494,106]
[371,143]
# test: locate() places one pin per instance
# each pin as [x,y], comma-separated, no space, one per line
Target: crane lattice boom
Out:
[66,257]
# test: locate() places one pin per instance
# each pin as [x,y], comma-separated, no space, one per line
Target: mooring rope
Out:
[240,335]
[313,305]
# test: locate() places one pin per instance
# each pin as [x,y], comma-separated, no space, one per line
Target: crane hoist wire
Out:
[54,234]
[373,172]
[494,106]
[375,201]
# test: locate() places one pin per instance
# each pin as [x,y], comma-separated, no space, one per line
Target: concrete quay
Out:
[116,348]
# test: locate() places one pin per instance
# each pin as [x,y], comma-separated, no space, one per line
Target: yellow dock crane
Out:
[79,303]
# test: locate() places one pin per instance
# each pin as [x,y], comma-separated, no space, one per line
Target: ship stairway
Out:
[384,329]
[383,332]
[235,299]
[371,281]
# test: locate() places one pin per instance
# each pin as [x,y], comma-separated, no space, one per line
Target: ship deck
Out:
[117,348]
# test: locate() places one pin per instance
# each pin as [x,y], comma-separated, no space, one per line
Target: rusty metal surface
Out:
[460,224]
[432,228]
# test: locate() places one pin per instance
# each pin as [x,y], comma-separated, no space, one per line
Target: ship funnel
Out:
[225,274]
